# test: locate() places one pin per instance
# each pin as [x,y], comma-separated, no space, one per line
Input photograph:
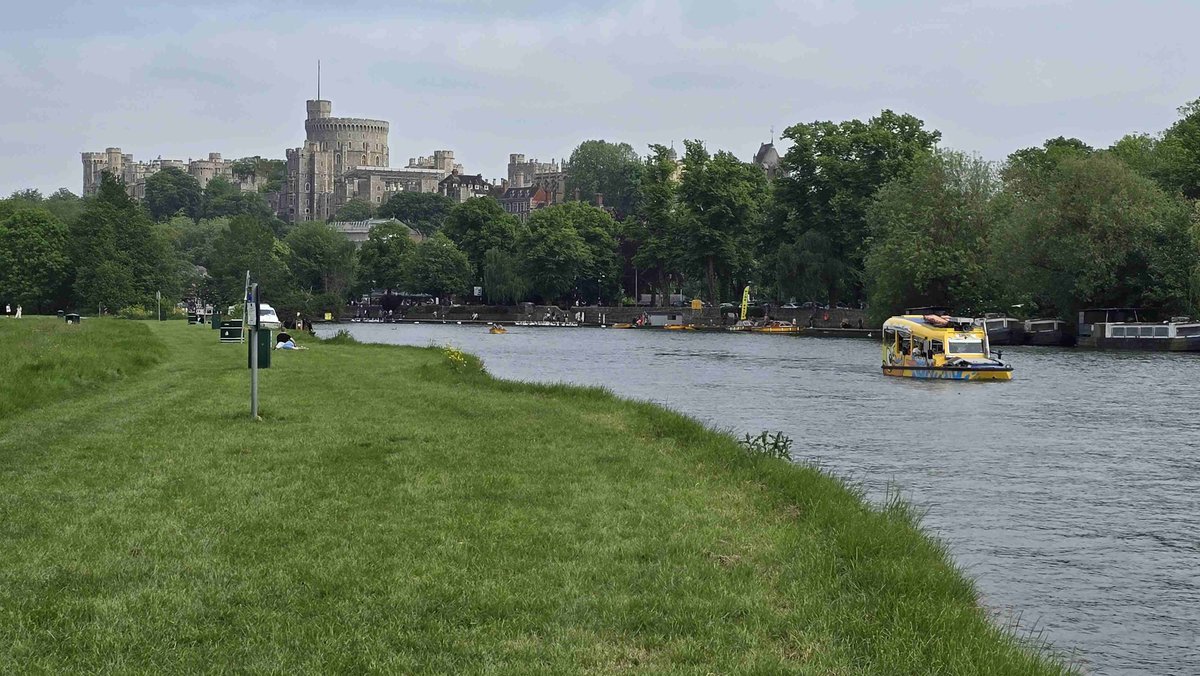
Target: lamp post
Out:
[599,287]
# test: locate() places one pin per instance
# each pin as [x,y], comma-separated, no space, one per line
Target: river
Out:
[1070,494]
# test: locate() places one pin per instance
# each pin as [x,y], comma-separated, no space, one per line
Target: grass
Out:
[396,511]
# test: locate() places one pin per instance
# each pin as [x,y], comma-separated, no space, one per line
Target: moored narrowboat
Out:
[1003,330]
[939,347]
[1127,329]
[1049,332]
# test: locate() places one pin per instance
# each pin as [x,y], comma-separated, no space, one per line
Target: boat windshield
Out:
[965,347]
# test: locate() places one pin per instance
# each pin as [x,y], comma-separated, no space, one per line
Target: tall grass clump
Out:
[47,360]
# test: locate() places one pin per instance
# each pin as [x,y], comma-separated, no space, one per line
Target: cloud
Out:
[538,77]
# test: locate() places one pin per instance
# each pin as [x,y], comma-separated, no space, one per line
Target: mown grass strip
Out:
[396,513]
[47,360]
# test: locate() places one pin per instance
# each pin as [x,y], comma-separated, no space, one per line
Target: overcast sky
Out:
[181,79]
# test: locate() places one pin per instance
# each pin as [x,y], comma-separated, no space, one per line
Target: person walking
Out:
[18,312]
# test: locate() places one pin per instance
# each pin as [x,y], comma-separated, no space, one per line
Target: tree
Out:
[354,210]
[481,224]
[120,258]
[195,240]
[249,245]
[33,259]
[931,236]
[502,280]
[599,277]
[322,259]
[437,267]
[424,212]
[172,191]
[1179,153]
[830,174]
[382,258]
[1092,233]
[64,205]
[722,200]
[553,254]
[610,169]
[655,227]
[269,174]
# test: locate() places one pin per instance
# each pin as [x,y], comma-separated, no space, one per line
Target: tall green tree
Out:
[424,212]
[611,169]
[1093,233]
[322,259]
[931,233]
[502,279]
[481,224]
[553,254]
[34,266]
[172,191]
[120,259]
[599,277]
[830,175]
[249,244]
[437,267]
[654,229]
[1179,153]
[722,199]
[383,257]
[269,173]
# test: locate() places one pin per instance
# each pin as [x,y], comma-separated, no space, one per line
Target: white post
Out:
[252,306]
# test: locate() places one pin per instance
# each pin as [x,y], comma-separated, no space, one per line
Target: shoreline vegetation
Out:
[400,510]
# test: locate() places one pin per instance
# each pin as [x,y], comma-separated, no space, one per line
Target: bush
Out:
[140,312]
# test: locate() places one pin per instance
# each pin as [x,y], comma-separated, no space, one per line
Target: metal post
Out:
[253,304]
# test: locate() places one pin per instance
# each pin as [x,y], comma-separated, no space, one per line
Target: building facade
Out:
[461,188]
[551,176]
[521,202]
[134,173]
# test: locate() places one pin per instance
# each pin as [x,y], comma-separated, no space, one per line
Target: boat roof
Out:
[958,325]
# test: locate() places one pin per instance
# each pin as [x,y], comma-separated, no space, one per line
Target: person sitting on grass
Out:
[284,342]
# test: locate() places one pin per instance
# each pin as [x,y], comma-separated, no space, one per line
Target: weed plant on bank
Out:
[398,510]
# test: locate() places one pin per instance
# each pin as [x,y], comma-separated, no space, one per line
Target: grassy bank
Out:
[396,513]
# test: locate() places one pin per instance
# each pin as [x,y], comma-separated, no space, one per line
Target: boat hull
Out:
[1050,338]
[947,373]
[1180,344]
[1012,335]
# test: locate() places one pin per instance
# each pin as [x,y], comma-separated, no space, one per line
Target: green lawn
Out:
[393,514]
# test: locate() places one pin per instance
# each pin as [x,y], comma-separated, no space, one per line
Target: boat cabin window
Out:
[1147,331]
[1161,332]
[1119,332]
[935,346]
[965,347]
[1190,330]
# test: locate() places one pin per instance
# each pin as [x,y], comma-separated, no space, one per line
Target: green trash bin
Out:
[216,320]
[264,349]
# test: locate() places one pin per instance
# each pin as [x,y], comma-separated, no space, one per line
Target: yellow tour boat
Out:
[938,346]
[496,328]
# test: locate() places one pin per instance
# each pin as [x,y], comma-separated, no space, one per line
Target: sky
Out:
[181,79]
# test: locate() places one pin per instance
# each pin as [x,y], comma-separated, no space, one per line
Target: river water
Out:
[1070,494]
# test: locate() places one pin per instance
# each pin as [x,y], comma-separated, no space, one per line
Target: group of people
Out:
[9,311]
[284,341]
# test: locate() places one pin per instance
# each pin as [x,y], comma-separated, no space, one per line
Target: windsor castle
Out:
[342,159]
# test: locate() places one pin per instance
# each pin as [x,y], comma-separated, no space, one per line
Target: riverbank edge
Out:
[795,487]
[892,596]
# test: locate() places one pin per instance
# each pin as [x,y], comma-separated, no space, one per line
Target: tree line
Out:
[867,212]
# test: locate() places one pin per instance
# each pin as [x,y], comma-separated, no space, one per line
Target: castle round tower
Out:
[354,142]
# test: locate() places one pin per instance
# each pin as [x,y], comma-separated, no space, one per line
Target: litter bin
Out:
[264,349]
[71,318]
[231,331]
[192,318]
[216,320]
